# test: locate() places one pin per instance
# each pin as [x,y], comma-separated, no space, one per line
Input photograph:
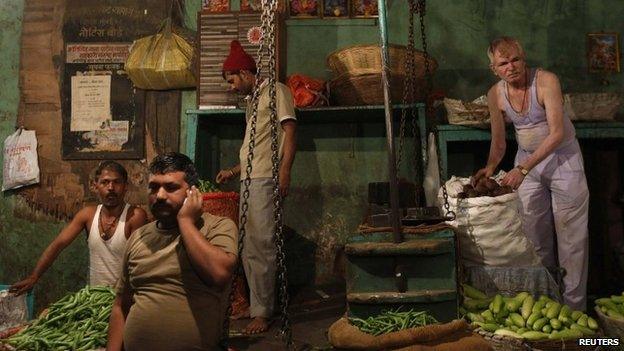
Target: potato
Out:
[472,193]
[467,187]
[491,184]
[481,189]
[507,189]
[498,192]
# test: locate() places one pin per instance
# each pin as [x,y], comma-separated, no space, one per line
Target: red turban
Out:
[238,59]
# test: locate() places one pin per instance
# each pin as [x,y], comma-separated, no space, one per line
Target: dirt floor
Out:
[312,311]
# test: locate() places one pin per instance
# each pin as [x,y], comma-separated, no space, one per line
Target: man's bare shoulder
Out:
[86,213]
[492,94]
[136,218]
[547,78]
[136,212]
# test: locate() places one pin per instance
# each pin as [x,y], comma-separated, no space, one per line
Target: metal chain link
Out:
[285,329]
[409,98]
[266,47]
[408,83]
[429,87]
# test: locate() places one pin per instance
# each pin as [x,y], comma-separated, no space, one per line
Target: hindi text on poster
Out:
[97,52]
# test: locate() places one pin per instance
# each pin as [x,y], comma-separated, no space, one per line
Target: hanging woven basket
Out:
[358,72]
[366,59]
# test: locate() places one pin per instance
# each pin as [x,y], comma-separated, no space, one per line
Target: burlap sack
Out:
[453,336]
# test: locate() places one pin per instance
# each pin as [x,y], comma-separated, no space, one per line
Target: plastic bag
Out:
[161,61]
[431,183]
[307,91]
[20,160]
[13,309]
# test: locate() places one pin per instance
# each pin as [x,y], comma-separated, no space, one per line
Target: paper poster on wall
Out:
[97,94]
[110,136]
[90,102]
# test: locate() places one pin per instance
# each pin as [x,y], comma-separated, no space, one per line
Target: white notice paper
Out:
[90,102]
[110,136]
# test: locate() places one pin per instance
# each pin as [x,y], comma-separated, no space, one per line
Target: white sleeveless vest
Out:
[105,256]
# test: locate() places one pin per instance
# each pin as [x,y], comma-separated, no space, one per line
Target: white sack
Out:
[489,228]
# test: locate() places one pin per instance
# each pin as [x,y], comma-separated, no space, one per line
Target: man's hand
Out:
[23,286]
[484,172]
[284,182]
[224,176]
[513,178]
[192,207]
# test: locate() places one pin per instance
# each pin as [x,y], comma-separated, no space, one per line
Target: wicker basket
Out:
[612,327]
[504,343]
[367,90]
[224,204]
[366,59]
[560,345]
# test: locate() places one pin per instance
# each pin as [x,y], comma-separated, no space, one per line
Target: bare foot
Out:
[256,326]
[244,314]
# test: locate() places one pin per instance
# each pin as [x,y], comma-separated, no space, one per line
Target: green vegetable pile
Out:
[523,317]
[613,306]
[78,321]
[206,186]
[391,321]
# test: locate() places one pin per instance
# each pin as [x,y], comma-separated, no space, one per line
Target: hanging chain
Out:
[409,98]
[408,83]
[266,47]
[429,87]
[285,329]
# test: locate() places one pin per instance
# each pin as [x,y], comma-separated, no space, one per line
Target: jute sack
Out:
[489,229]
[453,336]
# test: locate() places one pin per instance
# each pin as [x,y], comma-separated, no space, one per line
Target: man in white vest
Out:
[108,226]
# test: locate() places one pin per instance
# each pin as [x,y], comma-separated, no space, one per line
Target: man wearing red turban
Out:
[259,251]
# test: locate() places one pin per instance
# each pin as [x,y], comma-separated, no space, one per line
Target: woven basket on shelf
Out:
[367,90]
[366,59]
[612,327]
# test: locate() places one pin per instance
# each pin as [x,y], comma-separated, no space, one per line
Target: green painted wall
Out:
[22,240]
[335,162]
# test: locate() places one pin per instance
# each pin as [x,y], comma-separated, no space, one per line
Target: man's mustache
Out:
[161,205]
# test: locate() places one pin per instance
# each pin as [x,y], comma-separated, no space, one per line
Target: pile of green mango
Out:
[612,306]
[525,317]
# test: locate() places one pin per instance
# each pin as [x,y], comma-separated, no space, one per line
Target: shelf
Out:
[208,122]
[454,133]
[326,114]
[406,297]
[332,22]
[411,247]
